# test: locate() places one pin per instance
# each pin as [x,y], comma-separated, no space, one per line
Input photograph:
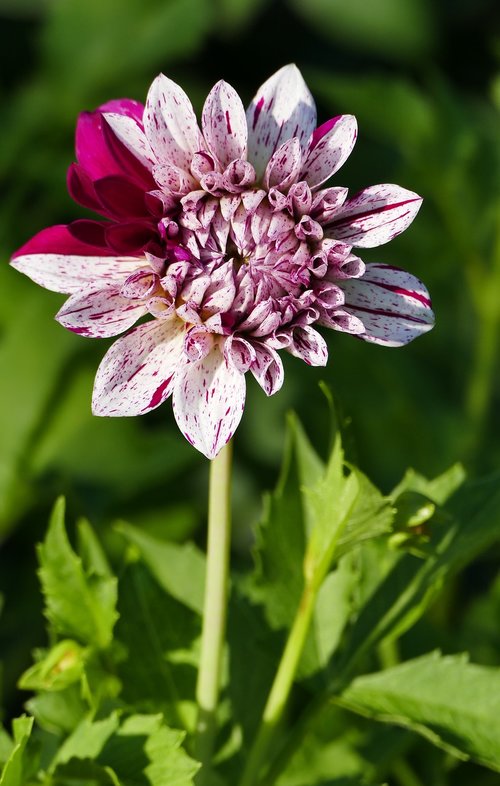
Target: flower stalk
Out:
[215,607]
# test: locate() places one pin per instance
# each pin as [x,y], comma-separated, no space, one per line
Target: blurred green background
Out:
[422,78]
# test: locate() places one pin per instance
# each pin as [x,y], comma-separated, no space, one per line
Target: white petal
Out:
[393,305]
[69,274]
[284,165]
[375,215]
[224,124]
[208,401]
[137,372]
[267,369]
[100,313]
[132,136]
[170,124]
[282,108]
[331,145]
[308,345]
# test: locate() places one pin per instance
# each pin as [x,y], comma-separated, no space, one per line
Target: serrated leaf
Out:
[438,489]
[453,703]
[178,568]
[77,605]
[409,584]
[141,750]
[87,740]
[14,769]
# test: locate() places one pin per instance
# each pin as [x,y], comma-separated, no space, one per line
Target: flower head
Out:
[226,239]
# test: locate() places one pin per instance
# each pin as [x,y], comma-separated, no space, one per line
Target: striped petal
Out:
[137,372]
[130,134]
[208,401]
[100,313]
[393,305]
[331,145]
[70,273]
[375,215]
[224,124]
[170,124]
[281,109]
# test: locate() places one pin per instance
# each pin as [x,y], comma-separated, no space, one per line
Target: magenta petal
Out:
[59,240]
[137,372]
[208,401]
[100,313]
[281,109]
[121,197]
[329,149]
[375,215]
[81,188]
[170,124]
[393,305]
[224,124]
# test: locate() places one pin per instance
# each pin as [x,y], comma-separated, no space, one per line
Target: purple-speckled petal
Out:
[224,124]
[267,369]
[130,134]
[170,124]
[393,305]
[282,108]
[100,313]
[208,401]
[137,372]
[375,215]
[308,345]
[331,145]
[284,166]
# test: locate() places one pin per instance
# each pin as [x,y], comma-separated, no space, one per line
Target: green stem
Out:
[215,608]
[404,774]
[281,687]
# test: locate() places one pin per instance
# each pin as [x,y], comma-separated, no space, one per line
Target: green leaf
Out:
[157,635]
[87,740]
[13,773]
[408,584]
[439,489]
[140,751]
[78,605]
[179,569]
[59,711]
[453,703]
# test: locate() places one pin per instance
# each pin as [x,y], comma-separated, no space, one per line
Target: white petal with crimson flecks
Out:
[224,124]
[282,108]
[267,369]
[375,215]
[330,149]
[170,124]
[284,165]
[69,274]
[393,305]
[132,136]
[308,345]
[137,372]
[208,401]
[100,313]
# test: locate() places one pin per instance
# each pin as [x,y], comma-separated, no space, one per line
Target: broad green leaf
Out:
[59,711]
[92,554]
[142,750]
[407,587]
[453,703]
[439,489]
[179,569]
[77,605]
[87,740]
[13,773]
[6,745]
[157,635]
[372,515]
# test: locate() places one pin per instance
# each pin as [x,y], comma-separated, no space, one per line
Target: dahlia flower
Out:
[228,242]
